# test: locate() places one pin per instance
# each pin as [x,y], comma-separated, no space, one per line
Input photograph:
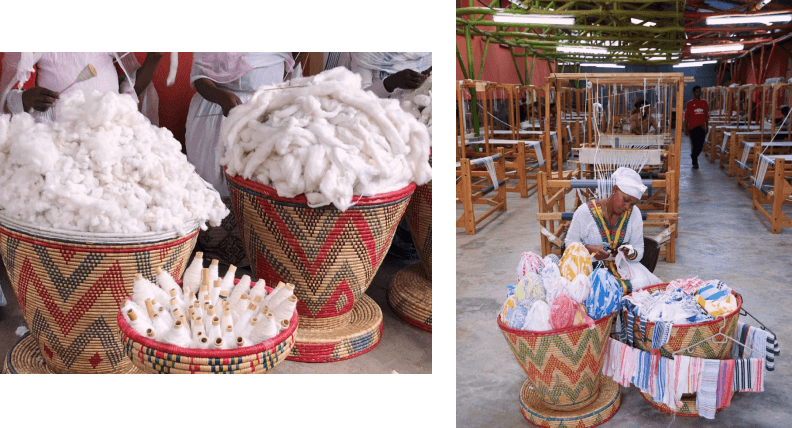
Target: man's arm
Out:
[146,71]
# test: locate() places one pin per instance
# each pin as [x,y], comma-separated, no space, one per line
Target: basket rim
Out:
[725,317]
[208,353]
[532,333]
[93,237]
[271,193]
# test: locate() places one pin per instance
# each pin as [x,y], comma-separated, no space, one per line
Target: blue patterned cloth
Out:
[605,296]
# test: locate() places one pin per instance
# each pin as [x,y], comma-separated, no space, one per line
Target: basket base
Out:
[596,413]
[25,358]
[410,296]
[688,409]
[361,335]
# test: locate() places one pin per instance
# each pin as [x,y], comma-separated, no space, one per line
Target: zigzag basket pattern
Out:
[563,365]
[330,256]
[70,292]
[419,215]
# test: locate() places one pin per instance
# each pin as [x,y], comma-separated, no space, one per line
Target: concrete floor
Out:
[403,348]
[720,237]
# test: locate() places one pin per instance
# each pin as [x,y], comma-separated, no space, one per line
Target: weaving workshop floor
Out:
[720,237]
[403,348]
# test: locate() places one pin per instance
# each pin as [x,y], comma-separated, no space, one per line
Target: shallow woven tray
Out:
[688,409]
[600,411]
[410,296]
[151,356]
[361,335]
[25,358]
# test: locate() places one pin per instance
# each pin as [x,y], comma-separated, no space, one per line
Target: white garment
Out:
[584,229]
[373,75]
[205,118]
[57,70]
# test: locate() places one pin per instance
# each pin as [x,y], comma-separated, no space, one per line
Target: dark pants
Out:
[697,136]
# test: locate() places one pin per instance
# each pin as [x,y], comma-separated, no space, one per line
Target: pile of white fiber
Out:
[419,103]
[327,138]
[101,168]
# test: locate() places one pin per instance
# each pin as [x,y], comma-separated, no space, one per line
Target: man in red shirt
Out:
[696,123]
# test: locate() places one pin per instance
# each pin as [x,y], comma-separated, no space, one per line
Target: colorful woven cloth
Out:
[725,379]
[605,296]
[706,396]
[538,318]
[763,344]
[511,303]
[551,277]
[529,289]
[579,289]
[529,262]
[551,259]
[748,375]
[576,261]
[688,285]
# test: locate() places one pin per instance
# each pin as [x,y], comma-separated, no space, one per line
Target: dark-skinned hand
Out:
[405,79]
[38,98]
[228,101]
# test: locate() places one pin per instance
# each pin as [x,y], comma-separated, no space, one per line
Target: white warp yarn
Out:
[103,167]
[327,138]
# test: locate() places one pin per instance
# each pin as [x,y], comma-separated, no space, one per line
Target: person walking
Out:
[696,124]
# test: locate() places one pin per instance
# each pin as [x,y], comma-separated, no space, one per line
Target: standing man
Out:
[696,123]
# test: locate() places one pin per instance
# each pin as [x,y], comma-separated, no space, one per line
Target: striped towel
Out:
[706,397]
[749,375]
[662,332]
[725,379]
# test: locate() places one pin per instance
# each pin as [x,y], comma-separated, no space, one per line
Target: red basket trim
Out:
[100,247]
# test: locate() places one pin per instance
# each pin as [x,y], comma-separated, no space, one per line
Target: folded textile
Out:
[575,261]
[688,285]
[529,262]
[538,318]
[605,295]
[706,397]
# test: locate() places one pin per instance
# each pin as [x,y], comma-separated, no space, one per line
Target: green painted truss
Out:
[623,27]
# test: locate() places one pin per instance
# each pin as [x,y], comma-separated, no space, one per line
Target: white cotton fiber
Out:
[103,167]
[325,137]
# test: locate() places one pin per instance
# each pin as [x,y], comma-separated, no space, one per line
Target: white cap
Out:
[629,182]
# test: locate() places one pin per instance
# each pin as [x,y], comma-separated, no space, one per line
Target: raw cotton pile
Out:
[102,168]
[325,137]
[419,103]
[208,311]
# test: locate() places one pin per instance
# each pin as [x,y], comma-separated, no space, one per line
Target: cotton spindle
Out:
[258,290]
[242,287]
[179,335]
[228,280]
[166,282]
[265,329]
[192,276]
[214,271]
[285,309]
[139,323]
[216,288]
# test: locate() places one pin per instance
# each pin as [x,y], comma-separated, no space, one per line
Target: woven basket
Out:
[419,215]
[597,413]
[70,286]
[563,365]
[330,256]
[684,335]
[152,356]
[410,296]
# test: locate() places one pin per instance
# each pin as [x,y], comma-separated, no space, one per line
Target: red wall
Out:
[498,65]
[777,64]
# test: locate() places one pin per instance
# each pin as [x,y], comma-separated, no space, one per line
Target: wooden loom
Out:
[472,187]
[777,194]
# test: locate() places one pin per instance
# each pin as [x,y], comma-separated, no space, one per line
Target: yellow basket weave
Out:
[71,285]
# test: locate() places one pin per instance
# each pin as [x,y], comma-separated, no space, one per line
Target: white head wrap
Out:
[629,182]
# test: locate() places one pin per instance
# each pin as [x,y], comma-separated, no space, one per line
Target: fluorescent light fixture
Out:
[583,50]
[600,65]
[732,47]
[755,19]
[533,19]
[642,22]
[658,58]
[694,63]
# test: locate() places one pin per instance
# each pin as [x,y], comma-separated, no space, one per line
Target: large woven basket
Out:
[684,335]
[563,365]
[419,215]
[331,256]
[70,286]
[152,356]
